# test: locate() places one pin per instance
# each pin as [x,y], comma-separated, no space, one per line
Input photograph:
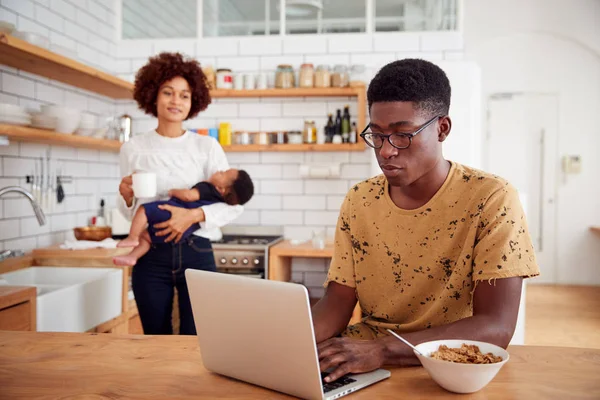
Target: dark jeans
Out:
[156,275]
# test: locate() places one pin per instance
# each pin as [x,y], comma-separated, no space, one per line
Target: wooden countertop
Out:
[67,365]
[285,248]
[13,295]
[595,229]
[98,257]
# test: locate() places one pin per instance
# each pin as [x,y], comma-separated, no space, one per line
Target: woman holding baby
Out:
[173,89]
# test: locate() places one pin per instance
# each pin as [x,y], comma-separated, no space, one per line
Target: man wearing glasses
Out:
[430,249]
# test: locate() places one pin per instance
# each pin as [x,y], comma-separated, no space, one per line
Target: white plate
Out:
[14,121]
[12,109]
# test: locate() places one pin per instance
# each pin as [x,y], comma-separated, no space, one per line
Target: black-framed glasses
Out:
[398,140]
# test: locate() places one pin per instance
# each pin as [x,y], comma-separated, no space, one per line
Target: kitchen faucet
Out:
[39,214]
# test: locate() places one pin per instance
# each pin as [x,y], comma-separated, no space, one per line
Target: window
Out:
[153,19]
[240,17]
[325,16]
[415,15]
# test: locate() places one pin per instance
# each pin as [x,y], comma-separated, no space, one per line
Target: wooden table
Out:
[67,365]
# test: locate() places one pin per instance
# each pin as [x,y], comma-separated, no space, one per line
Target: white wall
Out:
[551,46]
[88,29]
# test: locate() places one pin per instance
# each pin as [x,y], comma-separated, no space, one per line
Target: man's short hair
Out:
[418,81]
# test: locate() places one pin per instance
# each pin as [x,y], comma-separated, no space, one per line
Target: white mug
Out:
[261,82]
[248,81]
[144,184]
[238,82]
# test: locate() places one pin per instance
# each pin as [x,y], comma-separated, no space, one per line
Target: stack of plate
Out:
[87,125]
[43,121]
[14,115]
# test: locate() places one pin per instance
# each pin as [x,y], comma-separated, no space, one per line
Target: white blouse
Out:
[179,163]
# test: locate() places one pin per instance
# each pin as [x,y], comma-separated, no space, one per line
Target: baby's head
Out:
[235,185]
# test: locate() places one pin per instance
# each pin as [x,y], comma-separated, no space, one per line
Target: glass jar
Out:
[284,77]
[322,76]
[224,79]
[357,75]
[340,77]
[307,76]
[310,132]
[294,137]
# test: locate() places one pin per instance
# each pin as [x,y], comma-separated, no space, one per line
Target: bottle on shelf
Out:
[329,129]
[353,133]
[346,125]
[338,122]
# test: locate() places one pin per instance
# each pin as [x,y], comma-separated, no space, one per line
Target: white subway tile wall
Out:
[302,206]
[87,27]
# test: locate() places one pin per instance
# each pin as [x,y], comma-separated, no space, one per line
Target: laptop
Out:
[261,332]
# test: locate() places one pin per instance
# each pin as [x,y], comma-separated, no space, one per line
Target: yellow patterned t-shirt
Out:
[416,269]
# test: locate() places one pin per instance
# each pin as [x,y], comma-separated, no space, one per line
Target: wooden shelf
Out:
[25,56]
[240,148]
[293,92]
[26,134]
[357,91]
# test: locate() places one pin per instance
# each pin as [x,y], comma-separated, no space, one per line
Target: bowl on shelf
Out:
[67,119]
[456,377]
[43,121]
[93,233]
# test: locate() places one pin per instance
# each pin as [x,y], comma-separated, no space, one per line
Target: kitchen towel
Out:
[108,243]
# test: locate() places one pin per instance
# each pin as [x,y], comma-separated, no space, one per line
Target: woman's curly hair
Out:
[164,67]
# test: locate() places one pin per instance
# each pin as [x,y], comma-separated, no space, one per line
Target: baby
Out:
[232,187]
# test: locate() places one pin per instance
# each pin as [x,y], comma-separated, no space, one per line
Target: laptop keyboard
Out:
[343,381]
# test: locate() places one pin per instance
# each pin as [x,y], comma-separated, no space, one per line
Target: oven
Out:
[245,253]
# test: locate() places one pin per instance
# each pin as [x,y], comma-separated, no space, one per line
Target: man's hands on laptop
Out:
[345,356]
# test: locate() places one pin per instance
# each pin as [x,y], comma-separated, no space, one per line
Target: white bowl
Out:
[456,377]
[67,124]
[58,111]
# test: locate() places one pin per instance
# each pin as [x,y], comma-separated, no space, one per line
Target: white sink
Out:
[71,299]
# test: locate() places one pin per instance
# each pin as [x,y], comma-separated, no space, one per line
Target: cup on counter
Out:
[144,184]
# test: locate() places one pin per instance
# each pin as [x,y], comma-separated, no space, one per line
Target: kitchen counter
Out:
[17,308]
[280,262]
[89,258]
[98,257]
[281,254]
[67,365]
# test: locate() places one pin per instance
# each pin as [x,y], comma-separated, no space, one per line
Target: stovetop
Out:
[248,240]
